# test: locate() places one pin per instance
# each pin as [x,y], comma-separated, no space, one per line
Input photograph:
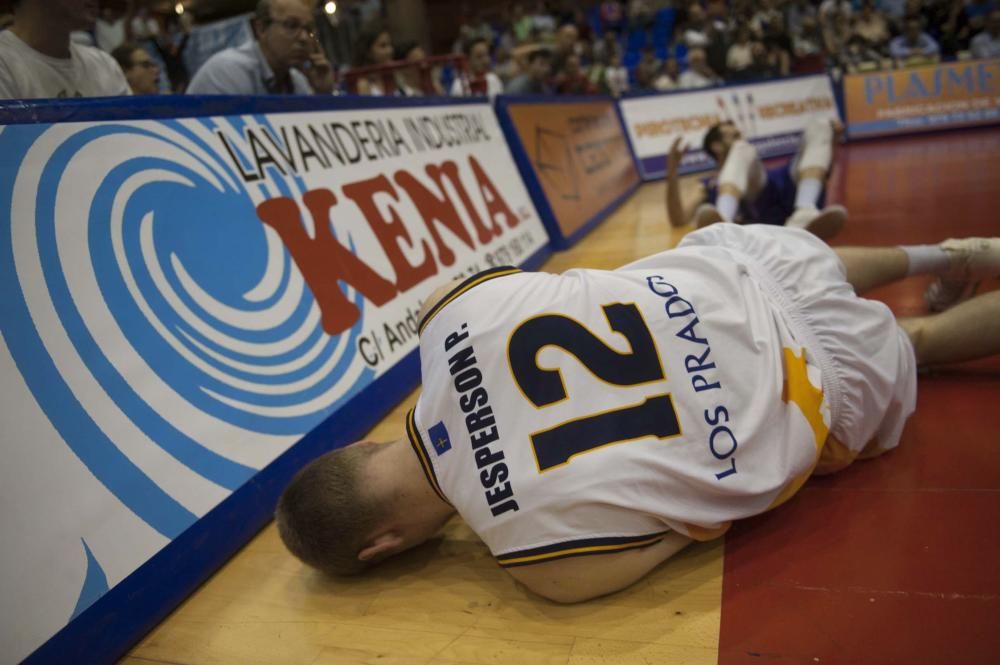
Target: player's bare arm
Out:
[583,578]
[677,214]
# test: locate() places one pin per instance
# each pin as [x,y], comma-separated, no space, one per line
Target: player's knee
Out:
[818,129]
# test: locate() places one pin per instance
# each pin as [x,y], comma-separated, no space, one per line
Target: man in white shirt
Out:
[481,81]
[698,74]
[38,59]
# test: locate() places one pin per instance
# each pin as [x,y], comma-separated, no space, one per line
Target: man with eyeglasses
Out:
[39,61]
[284,58]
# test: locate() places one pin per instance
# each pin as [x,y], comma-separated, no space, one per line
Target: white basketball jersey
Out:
[593,411]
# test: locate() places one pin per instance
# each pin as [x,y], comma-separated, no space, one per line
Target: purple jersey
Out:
[774,204]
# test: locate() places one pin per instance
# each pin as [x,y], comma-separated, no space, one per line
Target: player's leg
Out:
[810,169]
[968,331]
[742,174]
[962,260]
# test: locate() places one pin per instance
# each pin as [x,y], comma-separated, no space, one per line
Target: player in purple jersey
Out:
[746,192]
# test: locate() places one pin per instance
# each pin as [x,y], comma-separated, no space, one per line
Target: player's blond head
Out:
[325,516]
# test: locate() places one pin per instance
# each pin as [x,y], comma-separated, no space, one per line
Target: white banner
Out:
[771,115]
[184,299]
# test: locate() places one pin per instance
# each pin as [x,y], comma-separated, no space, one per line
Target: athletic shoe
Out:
[972,259]
[706,215]
[823,224]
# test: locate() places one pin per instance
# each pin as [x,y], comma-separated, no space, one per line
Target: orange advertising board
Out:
[953,94]
[577,155]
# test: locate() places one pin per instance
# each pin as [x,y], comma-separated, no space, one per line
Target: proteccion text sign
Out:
[770,115]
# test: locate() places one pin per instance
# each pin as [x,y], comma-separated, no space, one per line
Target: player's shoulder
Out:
[456,291]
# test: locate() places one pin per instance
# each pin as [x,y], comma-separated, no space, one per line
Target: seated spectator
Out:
[421,78]
[616,76]
[796,12]
[111,28]
[542,20]
[767,16]
[776,56]
[606,46]
[836,25]
[698,74]
[859,56]
[566,40]
[374,47]
[809,42]
[282,58]
[640,15]
[612,15]
[481,81]
[743,55]
[141,72]
[572,80]
[871,25]
[647,69]
[38,59]
[987,43]
[668,77]
[534,79]
[914,42]
[695,32]
[521,23]
[830,8]
[505,67]
[894,10]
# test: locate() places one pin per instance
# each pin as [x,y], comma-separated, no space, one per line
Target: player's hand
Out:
[676,154]
[838,131]
[319,71]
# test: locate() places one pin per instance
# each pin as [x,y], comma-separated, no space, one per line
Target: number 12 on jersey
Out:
[654,416]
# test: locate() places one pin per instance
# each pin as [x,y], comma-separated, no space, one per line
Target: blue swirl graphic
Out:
[171,232]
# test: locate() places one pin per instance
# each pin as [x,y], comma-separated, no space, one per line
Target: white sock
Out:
[808,192]
[727,205]
[927,259]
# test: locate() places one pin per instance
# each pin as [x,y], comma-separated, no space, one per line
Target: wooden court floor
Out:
[892,561]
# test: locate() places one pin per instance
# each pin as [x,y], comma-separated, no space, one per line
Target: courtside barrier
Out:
[770,114]
[574,158]
[920,99]
[198,296]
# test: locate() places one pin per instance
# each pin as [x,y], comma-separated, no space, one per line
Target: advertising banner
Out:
[184,299]
[770,115]
[919,99]
[575,157]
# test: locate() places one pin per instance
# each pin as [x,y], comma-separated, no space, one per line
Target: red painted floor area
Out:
[897,559]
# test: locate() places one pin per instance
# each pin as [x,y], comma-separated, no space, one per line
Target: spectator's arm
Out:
[898,49]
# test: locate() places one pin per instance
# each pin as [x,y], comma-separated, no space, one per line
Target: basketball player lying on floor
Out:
[617,415]
[789,195]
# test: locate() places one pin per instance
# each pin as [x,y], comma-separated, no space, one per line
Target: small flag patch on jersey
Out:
[439,438]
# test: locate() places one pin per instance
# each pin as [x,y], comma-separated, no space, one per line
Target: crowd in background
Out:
[556,47]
